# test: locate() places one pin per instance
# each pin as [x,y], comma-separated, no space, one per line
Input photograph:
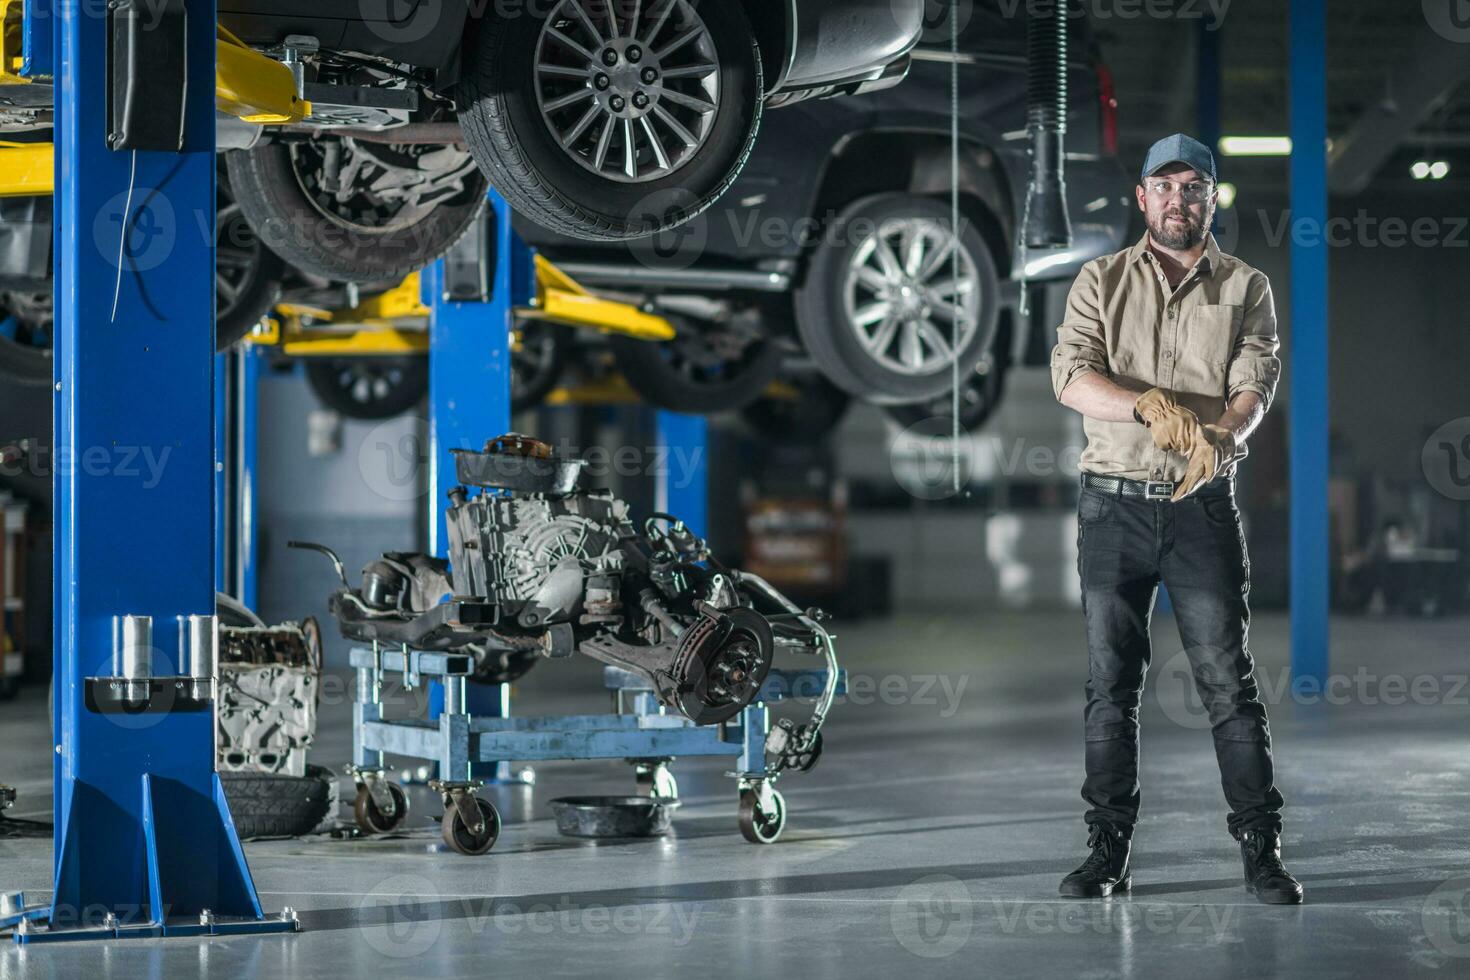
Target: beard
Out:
[1175,235]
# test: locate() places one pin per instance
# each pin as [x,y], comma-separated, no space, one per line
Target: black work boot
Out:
[1106,868]
[1265,877]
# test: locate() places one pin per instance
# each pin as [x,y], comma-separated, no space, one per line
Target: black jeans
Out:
[1126,547]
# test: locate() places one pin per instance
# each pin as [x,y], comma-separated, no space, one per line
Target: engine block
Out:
[534,556]
[269,681]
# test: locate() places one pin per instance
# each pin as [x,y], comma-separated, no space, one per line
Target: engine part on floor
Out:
[613,816]
[269,686]
[545,567]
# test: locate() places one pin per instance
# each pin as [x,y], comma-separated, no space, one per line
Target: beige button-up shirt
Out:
[1206,340]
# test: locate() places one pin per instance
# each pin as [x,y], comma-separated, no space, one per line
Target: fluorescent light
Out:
[1255,146]
[1420,169]
[1439,169]
[1226,195]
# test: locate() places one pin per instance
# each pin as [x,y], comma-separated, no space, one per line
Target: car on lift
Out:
[837,237]
[603,119]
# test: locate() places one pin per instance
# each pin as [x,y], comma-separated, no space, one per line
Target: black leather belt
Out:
[1152,489]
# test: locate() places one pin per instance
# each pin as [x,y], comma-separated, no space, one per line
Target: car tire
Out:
[21,360]
[327,242]
[664,375]
[818,408]
[536,362]
[264,804]
[369,388]
[501,98]
[839,282]
[980,396]
[247,275]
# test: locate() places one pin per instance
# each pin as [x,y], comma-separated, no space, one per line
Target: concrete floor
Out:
[930,839]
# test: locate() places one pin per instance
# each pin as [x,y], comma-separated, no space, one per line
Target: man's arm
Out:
[1254,367]
[1099,397]
[1243,414]
[1079,361]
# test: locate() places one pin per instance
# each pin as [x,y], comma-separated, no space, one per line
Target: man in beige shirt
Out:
[1168,351]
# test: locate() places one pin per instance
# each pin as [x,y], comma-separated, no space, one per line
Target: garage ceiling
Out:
[1371,44]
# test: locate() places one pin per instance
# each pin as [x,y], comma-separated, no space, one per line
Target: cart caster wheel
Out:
[465,840]
[657,782]
[373,820]
[757,824]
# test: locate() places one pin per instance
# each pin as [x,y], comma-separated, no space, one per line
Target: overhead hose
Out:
[1047,224]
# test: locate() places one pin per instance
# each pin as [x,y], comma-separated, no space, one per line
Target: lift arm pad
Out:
[147,75]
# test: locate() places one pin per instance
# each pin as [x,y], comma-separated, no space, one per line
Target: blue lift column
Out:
[469,393]
[682,487]
[236,388]
[1308,407]
[144,843]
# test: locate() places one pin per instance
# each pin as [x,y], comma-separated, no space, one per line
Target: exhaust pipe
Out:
[1047,223]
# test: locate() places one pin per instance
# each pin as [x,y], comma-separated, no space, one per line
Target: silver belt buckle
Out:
[1155,490]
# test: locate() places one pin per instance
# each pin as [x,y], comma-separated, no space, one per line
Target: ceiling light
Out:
[1255,146]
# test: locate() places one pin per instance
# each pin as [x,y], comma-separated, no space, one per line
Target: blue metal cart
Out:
[638,730]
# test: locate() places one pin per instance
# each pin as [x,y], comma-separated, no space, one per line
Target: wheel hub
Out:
[632,74]
[629,94]
[912,295]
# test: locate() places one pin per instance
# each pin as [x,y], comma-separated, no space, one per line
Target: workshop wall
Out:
[357,487]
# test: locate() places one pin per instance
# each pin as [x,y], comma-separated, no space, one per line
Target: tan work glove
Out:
[1213,450]
[1173,427]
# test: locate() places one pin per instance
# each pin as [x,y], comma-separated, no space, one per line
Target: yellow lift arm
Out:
[249,85]
[395,322]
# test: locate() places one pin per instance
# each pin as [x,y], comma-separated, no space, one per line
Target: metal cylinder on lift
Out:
[133,647]
[203,633]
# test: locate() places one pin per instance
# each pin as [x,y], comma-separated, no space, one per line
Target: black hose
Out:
[1047,223]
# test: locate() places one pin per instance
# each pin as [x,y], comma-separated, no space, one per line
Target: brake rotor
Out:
[721,663]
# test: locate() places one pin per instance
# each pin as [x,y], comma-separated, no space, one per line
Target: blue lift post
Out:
[1309,422]
[236,388]
[469,401]
[144,843]
[682,488]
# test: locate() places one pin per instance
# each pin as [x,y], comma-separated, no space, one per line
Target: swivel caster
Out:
[655,780]
[762,813]
[471,826]
[381,806]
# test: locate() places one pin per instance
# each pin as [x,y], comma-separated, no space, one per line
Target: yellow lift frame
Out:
[396,322]
[248,85]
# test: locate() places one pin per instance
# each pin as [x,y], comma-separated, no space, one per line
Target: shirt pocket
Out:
[1211,335]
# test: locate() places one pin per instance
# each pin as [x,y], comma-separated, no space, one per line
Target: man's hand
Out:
[1174,428]
[1214,448]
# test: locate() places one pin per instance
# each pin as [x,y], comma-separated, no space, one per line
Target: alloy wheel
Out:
[910,304]
[629,90]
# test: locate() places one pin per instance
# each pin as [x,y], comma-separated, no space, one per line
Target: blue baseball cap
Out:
[1179,149]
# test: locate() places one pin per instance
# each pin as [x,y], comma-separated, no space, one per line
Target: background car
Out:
[837,234]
